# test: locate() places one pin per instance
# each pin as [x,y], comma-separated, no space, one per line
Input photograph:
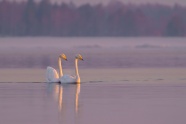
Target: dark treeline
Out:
[115,19]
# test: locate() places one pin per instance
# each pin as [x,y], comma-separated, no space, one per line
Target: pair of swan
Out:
[52,75]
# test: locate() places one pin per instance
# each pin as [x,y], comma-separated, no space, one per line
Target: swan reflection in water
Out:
[67,97]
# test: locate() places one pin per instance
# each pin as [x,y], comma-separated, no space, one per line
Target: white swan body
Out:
[69,78]
[51,73]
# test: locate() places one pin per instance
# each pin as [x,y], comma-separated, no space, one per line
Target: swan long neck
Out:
[60,67]
[76,67]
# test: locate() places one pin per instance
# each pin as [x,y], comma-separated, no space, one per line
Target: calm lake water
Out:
[124,80]
[98,102]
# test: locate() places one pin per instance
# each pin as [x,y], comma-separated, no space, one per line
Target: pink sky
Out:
[165,2]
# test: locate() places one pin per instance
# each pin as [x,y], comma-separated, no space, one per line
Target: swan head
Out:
[63,56]
[78,56]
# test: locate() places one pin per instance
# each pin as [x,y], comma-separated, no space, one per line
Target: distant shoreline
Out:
[31,18]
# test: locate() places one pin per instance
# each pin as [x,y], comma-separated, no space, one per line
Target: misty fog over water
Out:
[97,52]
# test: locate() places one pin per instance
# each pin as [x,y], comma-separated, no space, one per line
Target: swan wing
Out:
[52,75]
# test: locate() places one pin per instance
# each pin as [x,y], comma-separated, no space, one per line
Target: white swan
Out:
[72,79]
[51,73]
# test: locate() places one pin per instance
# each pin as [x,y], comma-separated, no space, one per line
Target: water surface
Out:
[106,103]
[124,80]
[106,96]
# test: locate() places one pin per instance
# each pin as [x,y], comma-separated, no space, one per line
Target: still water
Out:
[105,96]
[124,80]
[105,103]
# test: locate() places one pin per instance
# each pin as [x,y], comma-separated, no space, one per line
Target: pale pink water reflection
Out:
[106,103]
